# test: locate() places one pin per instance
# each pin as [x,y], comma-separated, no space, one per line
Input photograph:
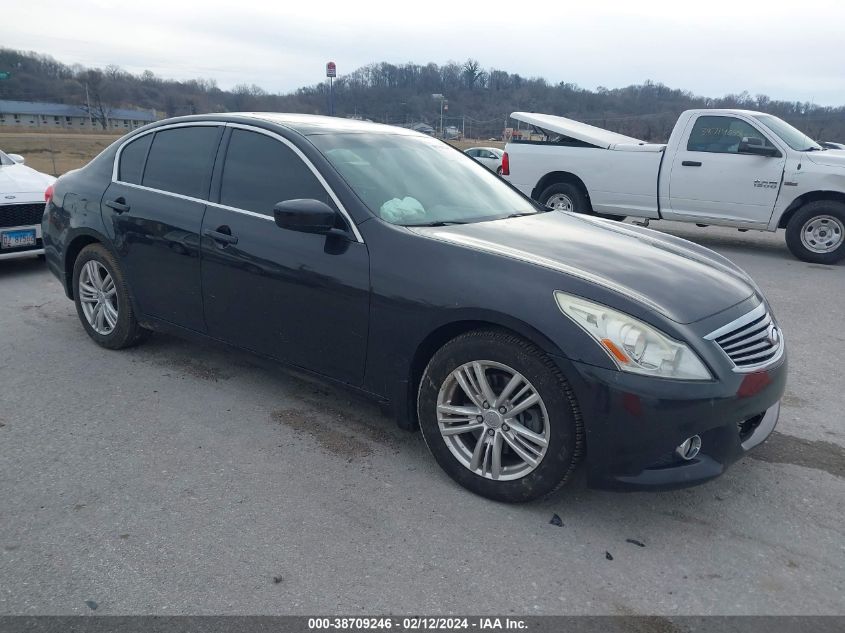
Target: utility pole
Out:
[88,103]
[444,105]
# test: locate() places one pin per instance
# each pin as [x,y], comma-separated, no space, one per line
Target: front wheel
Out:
[499,417]
[816,233]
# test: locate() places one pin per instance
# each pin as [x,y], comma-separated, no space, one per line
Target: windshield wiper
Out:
[519,215]
[440,223]
[813,149]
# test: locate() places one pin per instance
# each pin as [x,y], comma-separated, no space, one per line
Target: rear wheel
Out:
[102,300]
[816,233]
[499,417]
[564,196]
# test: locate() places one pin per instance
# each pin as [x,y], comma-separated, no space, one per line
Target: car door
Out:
[299,297]
[153,211]
[711,180]
[488,159]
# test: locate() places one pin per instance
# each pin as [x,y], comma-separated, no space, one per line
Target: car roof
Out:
[305,124]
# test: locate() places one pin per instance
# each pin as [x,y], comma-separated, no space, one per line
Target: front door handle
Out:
[691,163]
[118,205]
[223,235]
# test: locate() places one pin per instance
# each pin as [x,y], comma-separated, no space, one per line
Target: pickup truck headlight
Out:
[634,346]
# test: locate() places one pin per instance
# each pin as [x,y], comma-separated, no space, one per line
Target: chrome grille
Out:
[752,340]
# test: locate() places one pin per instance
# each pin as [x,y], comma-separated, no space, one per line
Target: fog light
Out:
[689,448]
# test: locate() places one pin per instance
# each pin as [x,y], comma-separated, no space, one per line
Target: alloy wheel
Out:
[493,420]
[98,297]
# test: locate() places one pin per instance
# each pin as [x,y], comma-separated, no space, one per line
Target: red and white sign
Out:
[331,70]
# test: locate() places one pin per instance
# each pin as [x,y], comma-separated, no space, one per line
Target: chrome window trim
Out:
[740,322]
[240,126]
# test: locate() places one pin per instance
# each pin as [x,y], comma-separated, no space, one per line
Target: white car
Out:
[21,207]
[490,157]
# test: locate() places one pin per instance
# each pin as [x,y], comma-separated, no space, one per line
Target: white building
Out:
[34,114]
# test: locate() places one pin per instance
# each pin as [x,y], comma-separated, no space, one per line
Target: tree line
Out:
[476,98]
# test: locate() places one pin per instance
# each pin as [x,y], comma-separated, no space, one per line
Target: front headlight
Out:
[634,346]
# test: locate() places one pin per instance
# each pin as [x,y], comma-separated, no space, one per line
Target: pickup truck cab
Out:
[739,168]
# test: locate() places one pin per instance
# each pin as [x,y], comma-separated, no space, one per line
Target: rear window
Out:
[132,160]
[180,160]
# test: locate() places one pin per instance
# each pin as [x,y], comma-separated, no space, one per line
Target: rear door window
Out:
[261,171]
[181,159]
[132,160]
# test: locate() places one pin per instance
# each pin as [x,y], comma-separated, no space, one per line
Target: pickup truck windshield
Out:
[419,181]
[796,139]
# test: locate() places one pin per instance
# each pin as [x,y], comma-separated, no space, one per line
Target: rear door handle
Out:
[220,237]
[691,163]
[118,205]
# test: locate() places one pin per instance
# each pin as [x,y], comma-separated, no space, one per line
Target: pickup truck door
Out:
[711,181]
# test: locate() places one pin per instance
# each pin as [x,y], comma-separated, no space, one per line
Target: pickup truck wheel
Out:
[816,233]
[563,196]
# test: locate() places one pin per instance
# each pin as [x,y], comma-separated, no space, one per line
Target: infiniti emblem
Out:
[10,197]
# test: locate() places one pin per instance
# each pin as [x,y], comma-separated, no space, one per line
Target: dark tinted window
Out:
[132,160]
[721,134]
[261,171]
[180,160]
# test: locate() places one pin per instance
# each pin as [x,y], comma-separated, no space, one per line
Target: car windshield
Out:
[417,181]
[796,139]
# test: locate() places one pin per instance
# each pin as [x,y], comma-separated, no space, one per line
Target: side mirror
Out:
[20,160]
[305,215]
[756,146]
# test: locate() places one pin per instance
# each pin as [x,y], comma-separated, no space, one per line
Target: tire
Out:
[564,196]
[555,418]
[125,331]
[816,233]
[578,200]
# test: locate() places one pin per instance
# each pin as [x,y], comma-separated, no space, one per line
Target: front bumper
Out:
[634,423]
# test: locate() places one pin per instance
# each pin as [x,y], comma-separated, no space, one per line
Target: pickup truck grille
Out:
[21,214]
[751,340]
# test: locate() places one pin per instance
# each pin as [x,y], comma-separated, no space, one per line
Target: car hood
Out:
[829,157]
[683,281]
[22,179]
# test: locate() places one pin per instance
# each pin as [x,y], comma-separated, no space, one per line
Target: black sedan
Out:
[520,340]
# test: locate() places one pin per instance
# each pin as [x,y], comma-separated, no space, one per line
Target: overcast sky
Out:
[788,50]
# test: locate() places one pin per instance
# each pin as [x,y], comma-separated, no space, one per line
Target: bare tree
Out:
[95,105]
[473,75]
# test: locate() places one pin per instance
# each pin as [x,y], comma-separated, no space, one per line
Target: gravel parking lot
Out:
[182,477]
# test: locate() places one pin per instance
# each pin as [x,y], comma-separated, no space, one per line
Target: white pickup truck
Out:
[736,168]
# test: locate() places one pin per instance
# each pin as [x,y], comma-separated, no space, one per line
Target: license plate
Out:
[17,239]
